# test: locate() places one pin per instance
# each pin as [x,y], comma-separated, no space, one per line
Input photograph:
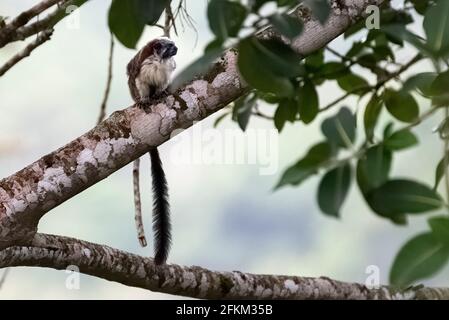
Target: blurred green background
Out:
[225,217]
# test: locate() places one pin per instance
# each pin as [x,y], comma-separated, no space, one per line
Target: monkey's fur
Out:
[148,78]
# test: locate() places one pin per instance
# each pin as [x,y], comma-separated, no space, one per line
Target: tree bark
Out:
[126,135]
[115,265]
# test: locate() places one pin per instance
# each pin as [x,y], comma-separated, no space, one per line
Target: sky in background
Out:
[225,216]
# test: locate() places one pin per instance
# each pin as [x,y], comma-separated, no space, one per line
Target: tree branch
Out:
[128,134]
[125,136]
[41,38]
[21,31]
[115,265]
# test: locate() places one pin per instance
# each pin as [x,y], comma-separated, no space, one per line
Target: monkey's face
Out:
[165,49]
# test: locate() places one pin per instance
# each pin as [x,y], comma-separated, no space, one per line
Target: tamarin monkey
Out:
[148,79]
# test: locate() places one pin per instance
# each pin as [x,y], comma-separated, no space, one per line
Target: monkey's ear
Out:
[132,68]
[157,45]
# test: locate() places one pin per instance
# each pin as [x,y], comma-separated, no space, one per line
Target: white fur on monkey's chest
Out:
[154,73]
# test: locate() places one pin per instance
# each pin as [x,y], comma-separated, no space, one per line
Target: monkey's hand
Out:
[144,104]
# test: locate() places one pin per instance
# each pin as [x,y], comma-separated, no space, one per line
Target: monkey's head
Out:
[162,47]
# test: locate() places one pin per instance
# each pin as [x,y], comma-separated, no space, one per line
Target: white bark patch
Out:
[119,145]
[54,180]
[204,285]
[168,117]
[141,272]
[85,158]
[189,280]
[228,76]
[145,129]
[200,87]
[267,293]
[102,151]
[193,110]
[407,295]
[32,199]
[87,252]
[291,286]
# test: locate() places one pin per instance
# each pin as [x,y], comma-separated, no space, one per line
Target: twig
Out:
[42,37]
[8,30]
[168,19]
[391,76]
[446,158]
[338,54]
[48,22]
[108,82]
[3,278]
[23,18]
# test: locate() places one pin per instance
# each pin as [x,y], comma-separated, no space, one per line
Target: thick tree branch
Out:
[123,137]
[126,135]
[115,265]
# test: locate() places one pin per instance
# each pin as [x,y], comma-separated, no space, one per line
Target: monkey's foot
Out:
[144,105]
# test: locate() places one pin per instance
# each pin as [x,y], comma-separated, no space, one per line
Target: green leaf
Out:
[278,57]
[258,64]
[127,19]
[199,66]
[436,26]
[439,172]
[257,4]
[220,118]
[286,111]
[307,166]
[354,84]
[439,89]
[398,33]
[371,116]
[286,25]
[440,85]
[149,12]
[242,110]
[373,169]
[283,3]
[403,196]
[320,9]
[315,60]
[333,189]
[308,104]
[421,82]
[420,6]
[356,49]
[399,140]
[340,129]
[215,44]
[124,24]
[225,18]
[401,105]
[443,129]
[388,130]
[420,258]
[333,70]
[440,228]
